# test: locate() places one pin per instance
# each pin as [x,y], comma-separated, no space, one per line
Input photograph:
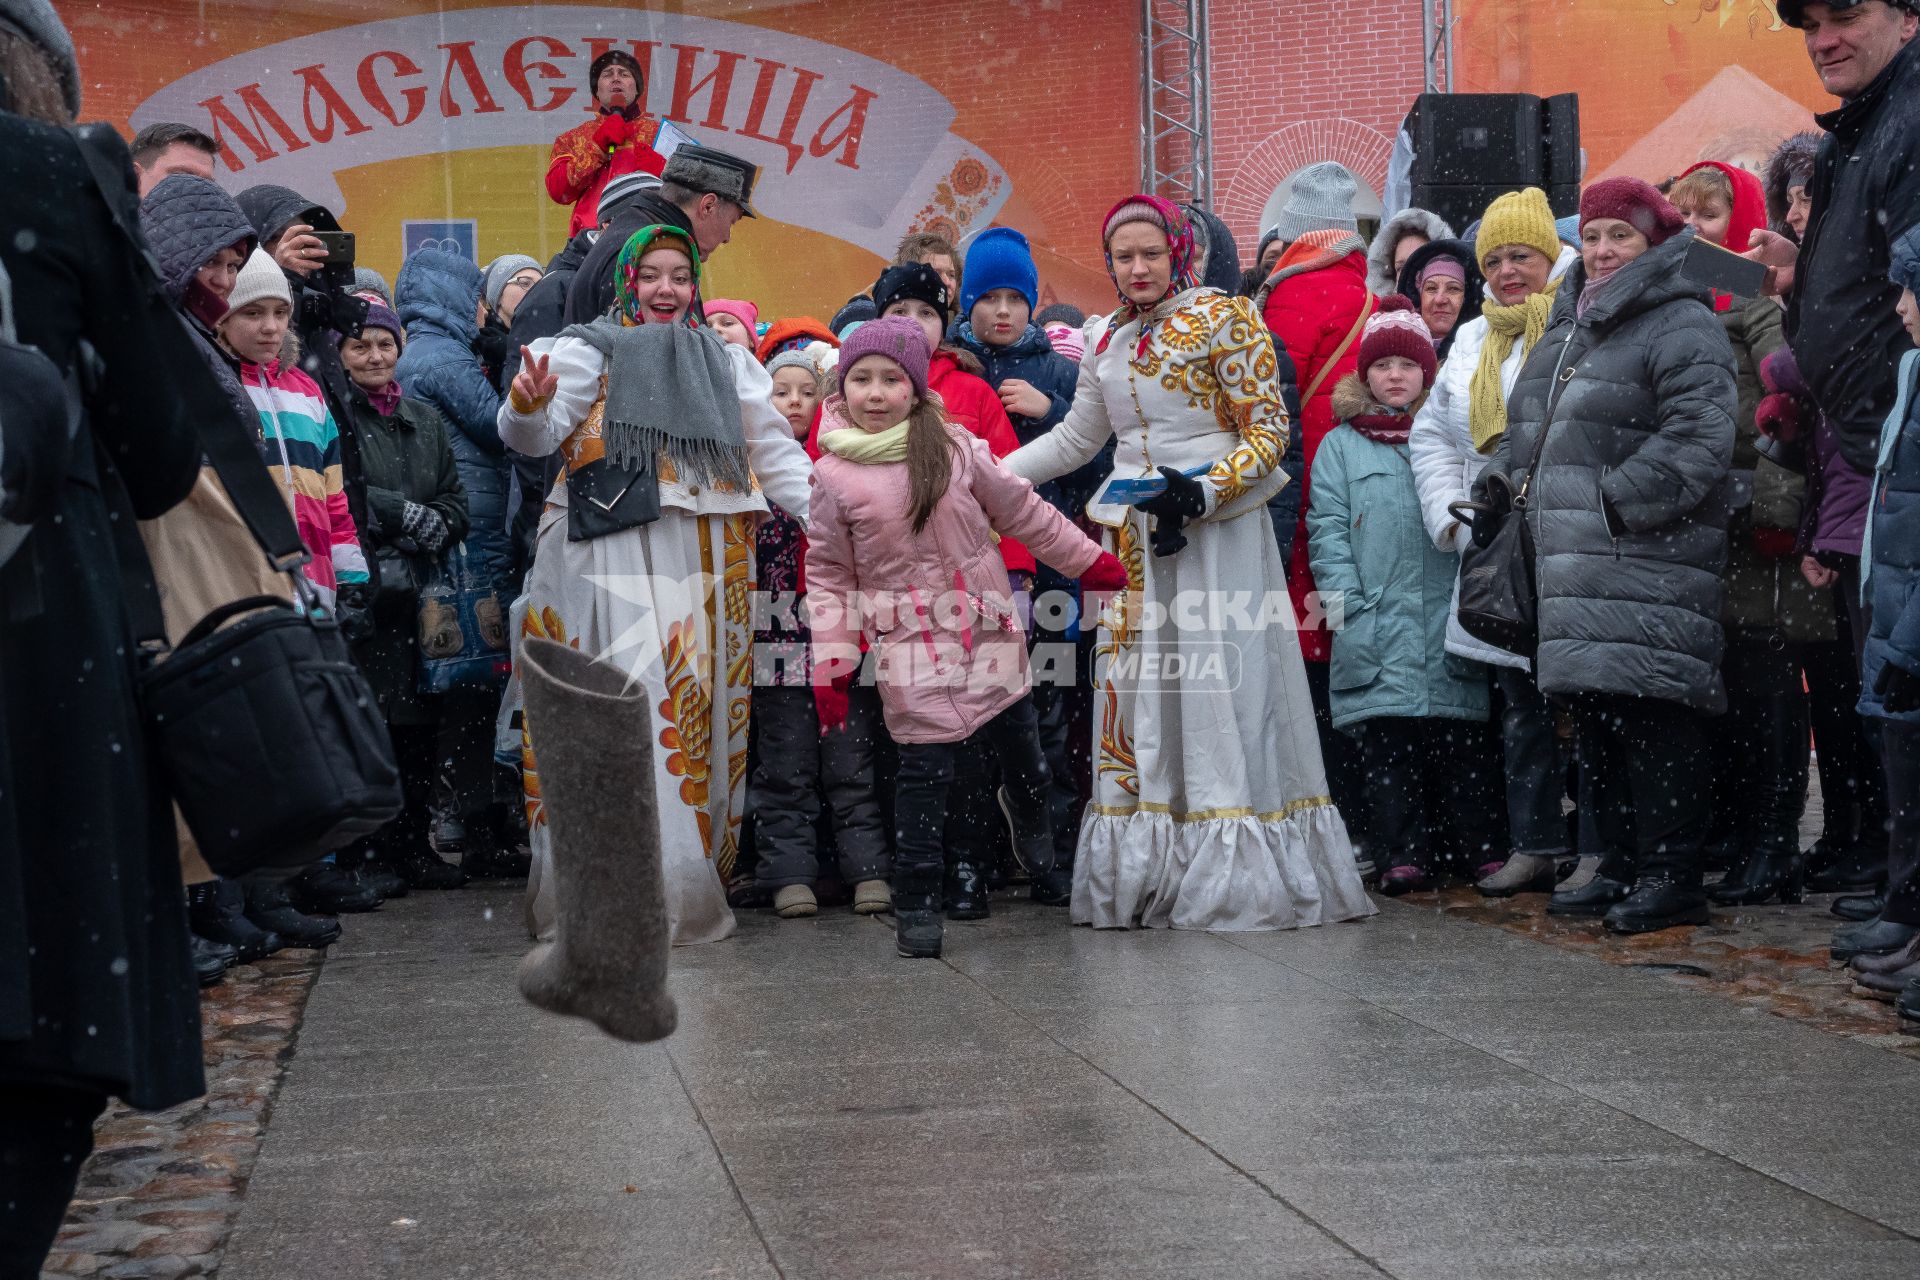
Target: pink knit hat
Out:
[745,312]
[1632,201]
[1067,341]
[1396,329]
[898,339]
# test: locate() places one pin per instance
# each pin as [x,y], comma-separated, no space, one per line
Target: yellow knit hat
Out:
[1519,217]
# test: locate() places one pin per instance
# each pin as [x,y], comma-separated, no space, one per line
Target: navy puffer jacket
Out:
[1892,560]
[438,295]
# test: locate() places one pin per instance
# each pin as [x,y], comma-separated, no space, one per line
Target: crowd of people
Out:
[1158,612]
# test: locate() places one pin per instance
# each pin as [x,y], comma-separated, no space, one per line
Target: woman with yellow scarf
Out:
[1522,256]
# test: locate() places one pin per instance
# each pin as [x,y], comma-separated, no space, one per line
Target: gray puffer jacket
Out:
[1633,499]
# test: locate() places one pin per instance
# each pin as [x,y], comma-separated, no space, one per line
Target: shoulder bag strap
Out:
[223,441]
[1339,352]
[1561,377]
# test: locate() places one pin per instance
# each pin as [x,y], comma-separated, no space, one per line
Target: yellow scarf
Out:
[1486,400]
[856,445]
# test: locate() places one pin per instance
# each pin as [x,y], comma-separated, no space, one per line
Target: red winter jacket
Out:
[1310,314]
[976,406]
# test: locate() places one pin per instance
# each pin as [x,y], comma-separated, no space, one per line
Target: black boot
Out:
[1659,902]
[380,879]
[488,856]
[211,959]
[1907,1005]
[269,907]
[216,911]
[1053,887]
[1763,877]
[425,869]
[1860,868]
[917,931]
[1595,898]
[1876,937]
[966,893]
[1859,906]
[325,890]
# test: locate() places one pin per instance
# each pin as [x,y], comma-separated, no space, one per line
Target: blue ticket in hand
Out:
[1131,491]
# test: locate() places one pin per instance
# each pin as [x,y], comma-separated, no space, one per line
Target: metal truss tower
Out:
[1176,142]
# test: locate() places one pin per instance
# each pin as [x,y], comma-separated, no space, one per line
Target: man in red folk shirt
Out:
[619,139]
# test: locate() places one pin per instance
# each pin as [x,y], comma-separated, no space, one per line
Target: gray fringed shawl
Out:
[670,390]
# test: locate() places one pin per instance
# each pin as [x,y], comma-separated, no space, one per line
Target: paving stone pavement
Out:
[1415,1096]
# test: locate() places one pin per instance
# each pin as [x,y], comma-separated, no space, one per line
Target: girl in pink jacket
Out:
[904,511]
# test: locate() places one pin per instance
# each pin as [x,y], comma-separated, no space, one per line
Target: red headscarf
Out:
[1749,213]
[1170,218]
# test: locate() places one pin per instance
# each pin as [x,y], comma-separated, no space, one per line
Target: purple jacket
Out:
[1834,518]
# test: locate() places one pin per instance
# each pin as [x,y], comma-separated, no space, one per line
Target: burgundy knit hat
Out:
[1635,202]
[895,337]
[1396,329]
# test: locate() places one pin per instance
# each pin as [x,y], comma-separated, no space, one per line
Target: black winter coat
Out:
[96,988]
[1632,500]
[1865,192]
[407,458]
[592,291]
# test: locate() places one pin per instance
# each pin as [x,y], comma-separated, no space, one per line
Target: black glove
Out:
[492,345]
[1182,499]
[1899,688]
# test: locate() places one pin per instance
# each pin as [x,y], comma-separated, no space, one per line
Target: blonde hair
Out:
[1700,186]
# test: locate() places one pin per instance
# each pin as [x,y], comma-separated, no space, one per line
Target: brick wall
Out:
[1293,83]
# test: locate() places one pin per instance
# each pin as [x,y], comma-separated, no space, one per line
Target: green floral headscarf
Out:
[626,268]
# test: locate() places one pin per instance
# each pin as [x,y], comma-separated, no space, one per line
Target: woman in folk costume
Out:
[1210,807]
[645,551]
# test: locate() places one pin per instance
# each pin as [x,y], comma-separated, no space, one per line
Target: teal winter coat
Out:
[1367,541]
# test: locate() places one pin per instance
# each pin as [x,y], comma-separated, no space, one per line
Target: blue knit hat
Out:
[999,259]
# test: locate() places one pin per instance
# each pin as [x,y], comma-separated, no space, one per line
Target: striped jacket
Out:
[301,446]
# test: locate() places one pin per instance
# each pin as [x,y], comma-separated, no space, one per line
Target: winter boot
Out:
[1876,937]
[795,902]
[373,873]
[1659,902]
[1859,868]
[1763,876]
[1405,878]
[216,911]
[872,898]
[425,869]
[1593,899]
[269,908]
[1859,906]
[1053,887]
[966,893]
[593,730]
[325,890]
[1521,873]
[917,932]
[211,959]
[1907,1005]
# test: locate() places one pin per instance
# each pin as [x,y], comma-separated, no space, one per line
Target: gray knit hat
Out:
[36,20]
[1321,200]
[493,282]
[367,280]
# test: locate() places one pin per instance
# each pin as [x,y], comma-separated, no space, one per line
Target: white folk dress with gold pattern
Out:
[1210,807]
[670,603]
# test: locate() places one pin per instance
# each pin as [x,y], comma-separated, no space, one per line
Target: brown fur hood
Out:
[1352,399]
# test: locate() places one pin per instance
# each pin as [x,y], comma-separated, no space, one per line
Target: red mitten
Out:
[1778,417]
[1105,574]
[1773,544]
[613,131]
[830,703]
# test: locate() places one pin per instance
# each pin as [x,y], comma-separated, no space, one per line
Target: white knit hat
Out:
[259,278]
[1320,199]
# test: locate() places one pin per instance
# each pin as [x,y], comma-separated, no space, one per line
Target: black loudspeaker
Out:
[1561,119]
[1461,206]
[1477,139]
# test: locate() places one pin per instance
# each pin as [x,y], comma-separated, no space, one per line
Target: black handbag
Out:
[1499,604]
[270,738]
